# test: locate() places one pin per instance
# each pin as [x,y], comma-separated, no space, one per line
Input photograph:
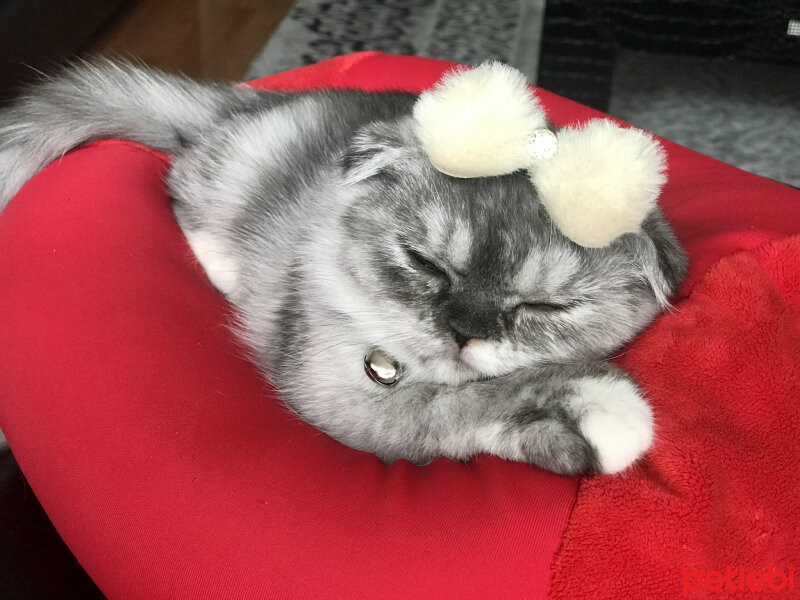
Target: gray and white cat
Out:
[323,222]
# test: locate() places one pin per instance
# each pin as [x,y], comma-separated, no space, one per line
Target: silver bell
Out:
[381,368]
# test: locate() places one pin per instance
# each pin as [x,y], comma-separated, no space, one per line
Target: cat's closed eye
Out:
[546,307]
[419,262]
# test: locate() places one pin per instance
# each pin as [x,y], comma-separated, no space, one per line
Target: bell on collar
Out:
[381,368]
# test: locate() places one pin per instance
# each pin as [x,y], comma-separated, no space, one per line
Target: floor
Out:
[34,563]
[213,39]
[742,113]
[464,31]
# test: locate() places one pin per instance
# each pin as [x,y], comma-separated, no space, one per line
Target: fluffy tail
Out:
[105,99]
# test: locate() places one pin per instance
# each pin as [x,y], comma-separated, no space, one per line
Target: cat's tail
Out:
[106,99]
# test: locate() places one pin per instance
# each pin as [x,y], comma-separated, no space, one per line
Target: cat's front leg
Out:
[614,417]
[568,420]
[582,419]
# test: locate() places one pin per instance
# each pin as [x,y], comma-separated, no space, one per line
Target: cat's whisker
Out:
[345,343]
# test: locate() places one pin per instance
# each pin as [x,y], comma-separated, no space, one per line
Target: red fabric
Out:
[171,470]
[166,463]
[718,498]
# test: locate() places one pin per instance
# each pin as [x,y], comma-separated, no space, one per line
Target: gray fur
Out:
[311,212]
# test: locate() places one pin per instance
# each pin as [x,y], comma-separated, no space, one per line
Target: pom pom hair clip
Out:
[597,181]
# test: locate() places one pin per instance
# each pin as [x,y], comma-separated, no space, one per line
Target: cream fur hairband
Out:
[597,181]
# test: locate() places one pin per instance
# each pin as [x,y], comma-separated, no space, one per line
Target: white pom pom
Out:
[478,122]
[602,181]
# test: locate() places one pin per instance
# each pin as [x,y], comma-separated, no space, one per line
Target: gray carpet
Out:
[745,115]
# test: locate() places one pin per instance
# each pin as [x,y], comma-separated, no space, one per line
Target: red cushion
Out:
[169,466]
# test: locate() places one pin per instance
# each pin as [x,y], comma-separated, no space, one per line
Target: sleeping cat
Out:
[321,219]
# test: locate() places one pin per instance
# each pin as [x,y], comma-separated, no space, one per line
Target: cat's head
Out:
[469,278]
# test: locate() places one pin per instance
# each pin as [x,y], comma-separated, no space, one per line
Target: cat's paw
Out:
[616,420]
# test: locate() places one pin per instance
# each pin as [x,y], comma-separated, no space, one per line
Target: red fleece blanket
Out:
[715,506]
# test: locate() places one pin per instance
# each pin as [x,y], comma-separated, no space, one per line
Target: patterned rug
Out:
[465,31]
[743,114]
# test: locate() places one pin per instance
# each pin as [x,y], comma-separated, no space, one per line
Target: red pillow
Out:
[169,466]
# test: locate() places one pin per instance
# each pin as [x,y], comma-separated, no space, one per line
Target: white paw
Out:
[616,420]
[219,265]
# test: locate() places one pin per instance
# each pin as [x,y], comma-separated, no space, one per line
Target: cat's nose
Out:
[473,320]
[461,334]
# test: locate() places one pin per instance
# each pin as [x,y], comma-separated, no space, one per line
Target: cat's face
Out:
[469,278]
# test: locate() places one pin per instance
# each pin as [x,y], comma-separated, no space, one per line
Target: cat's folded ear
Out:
[377,149]
[663,260]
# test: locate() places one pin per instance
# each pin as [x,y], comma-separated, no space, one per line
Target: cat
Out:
[322,221]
